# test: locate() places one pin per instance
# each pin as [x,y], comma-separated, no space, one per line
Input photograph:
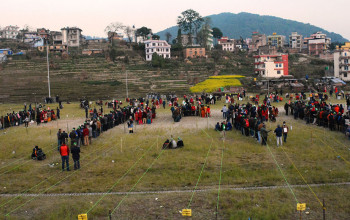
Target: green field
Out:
[156,184]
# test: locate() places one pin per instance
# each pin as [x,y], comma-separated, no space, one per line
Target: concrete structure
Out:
[210,40]
[43,33]
[185,41]
[161,47]
[227,44]
[296,41]
[320,35]
[271,66]
[276,40]
[317,46]
[53,48]
[92,51]
[258,40]
[194,52]
[346,46]
[71,36]
[342,64]
[114,36]
[56,38]
[10,32]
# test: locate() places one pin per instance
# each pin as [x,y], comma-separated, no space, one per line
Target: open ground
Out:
[133,177]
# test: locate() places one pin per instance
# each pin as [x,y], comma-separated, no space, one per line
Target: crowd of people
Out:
[315,110]
[136,112]
[39,114]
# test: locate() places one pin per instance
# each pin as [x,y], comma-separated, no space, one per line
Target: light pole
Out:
[127,94]
[48,67]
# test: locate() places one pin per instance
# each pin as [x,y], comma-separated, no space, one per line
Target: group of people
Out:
[40,114]
[173,144]
[317,111]
[250,119]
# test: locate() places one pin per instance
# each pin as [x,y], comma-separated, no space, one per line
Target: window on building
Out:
[167,50]
[346,68]
[278,72]
[346,61]
[147,56]
[263,72]
[276,65]
[147,50]
[154,44]
[345,75]
[280,65]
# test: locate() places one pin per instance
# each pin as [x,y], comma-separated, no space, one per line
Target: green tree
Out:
[190,21]
[203,34]
[168,36]
[157,61]
[113,54]
[143,32]
[217,33]
[179,41]
[155,37]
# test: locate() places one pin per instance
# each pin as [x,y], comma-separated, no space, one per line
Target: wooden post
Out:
[300,214]
[208,123]
[324,210]
[121,145]
[110,215]
[312,140]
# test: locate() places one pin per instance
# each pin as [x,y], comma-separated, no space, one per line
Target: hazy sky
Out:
[93,16]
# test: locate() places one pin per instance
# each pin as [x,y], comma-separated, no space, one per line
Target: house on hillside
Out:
[161,47]
[276,40]
[271,65]
[227,44]
[10,32]
[296,41]
[33,39]
[258,40]
[72,37]
[194,52]
[341,63]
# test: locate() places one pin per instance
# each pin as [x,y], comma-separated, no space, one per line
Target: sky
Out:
[93,16]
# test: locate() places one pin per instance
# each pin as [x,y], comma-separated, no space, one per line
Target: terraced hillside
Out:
[93,78]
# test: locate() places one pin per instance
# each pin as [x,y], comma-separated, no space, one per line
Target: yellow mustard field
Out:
[215,82]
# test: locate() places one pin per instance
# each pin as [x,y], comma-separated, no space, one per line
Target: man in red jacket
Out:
[64,151]
[86,135]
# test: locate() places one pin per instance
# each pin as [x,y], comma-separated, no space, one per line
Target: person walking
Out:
[278,131]
[285,132]
[64,151]
[76,156]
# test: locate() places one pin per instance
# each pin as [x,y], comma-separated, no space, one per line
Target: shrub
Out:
[215,82]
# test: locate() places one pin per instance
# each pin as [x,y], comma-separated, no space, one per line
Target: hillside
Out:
[243,24]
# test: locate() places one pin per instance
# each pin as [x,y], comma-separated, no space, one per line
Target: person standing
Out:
[64,151]
[278,131]
[86,135]
[224,112]
[58,113]
[264,134]
[73,136]
[59,138]
[76,156]
[285,132]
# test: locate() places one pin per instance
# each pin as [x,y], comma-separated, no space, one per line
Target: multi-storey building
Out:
[271,66]
[56,37]
[276,40]
[161,47]
[10,32]
[33,39]
[194,52]
[317,46]
[227,44]
[295,41]
[258,40]
[342,63]
[71,36]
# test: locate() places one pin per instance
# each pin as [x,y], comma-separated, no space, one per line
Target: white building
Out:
[161,47]
[10,32]
[72,36]
[295,41]
[227,44]
[342,64]
[271,66]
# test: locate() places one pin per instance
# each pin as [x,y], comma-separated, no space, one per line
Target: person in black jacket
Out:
[64,137]
[75,150]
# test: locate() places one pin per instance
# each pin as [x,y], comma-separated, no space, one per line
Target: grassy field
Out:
[119,162]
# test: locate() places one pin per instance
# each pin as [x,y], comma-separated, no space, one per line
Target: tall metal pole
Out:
[48,68]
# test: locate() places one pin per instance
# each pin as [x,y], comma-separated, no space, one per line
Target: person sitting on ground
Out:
[38,154]
[229,126]
[217,127]
[173,143]
[180,143]
[166,144]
